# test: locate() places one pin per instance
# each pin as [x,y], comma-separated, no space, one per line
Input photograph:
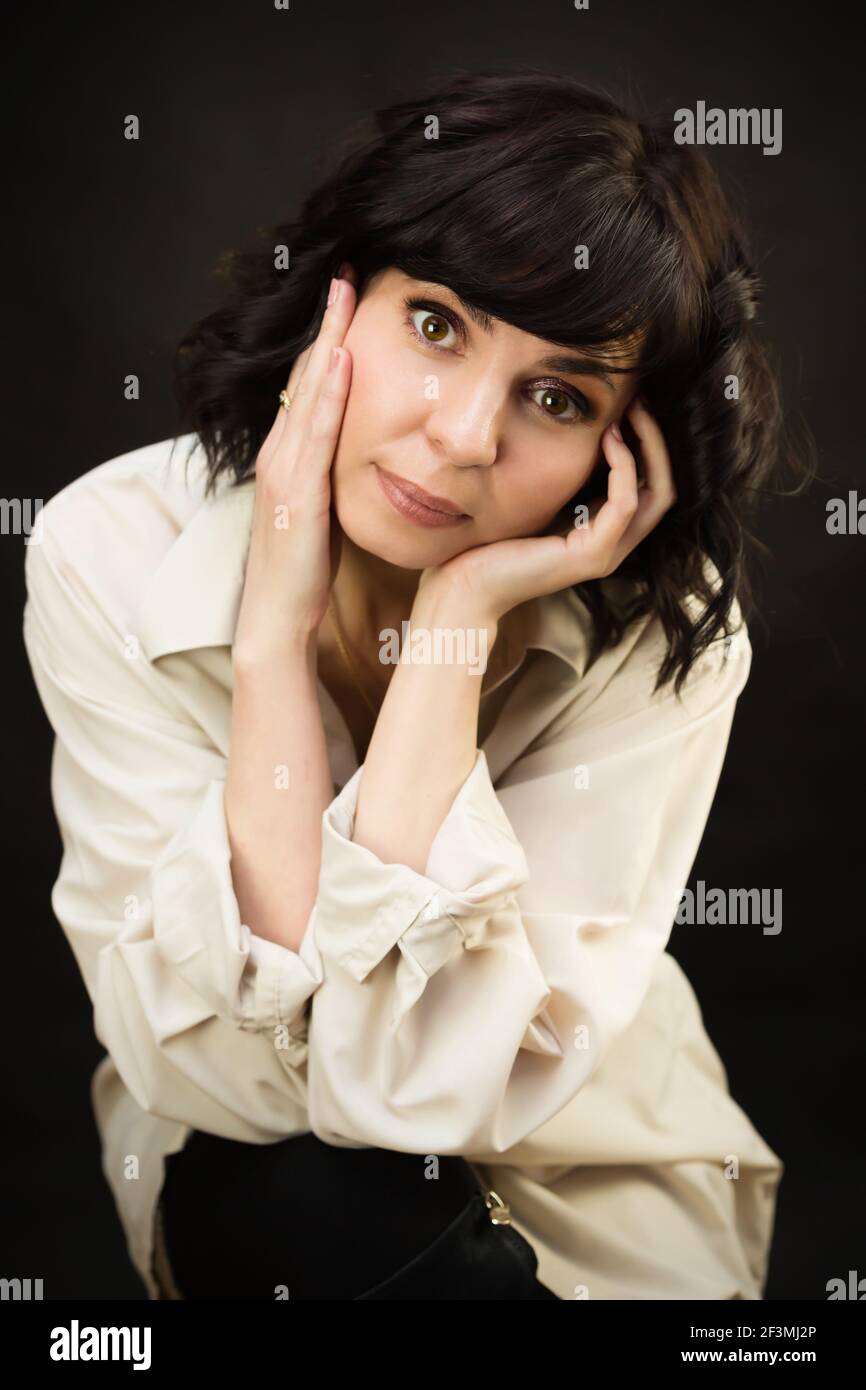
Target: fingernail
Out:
[333,292]
[615,431]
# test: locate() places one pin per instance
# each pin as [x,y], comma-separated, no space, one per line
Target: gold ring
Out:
[285,401]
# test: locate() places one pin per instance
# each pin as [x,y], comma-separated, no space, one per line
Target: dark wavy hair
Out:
[524,167]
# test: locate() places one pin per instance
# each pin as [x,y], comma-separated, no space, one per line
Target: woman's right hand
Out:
[295,538]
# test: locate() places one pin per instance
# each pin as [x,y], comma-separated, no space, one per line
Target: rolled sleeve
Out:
[255,983]
[365,907]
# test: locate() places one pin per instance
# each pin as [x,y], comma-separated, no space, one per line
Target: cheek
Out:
[551,477]
[386,391]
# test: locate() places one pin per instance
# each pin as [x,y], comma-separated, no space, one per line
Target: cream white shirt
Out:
[514,1003]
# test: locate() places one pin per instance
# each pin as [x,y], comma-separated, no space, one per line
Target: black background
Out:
[108,261]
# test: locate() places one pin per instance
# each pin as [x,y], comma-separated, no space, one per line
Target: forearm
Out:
[278,785]
[423,746]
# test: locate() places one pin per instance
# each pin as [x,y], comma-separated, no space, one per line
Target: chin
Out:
[370,526]
[406,552]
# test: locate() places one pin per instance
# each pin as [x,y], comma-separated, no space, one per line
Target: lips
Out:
[419,494]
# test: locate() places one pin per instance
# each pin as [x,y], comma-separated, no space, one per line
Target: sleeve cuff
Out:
[255,983]
[365,907]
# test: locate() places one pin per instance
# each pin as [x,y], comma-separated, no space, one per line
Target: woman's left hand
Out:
[492,579]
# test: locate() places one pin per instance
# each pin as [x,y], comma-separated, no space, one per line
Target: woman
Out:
[387,735]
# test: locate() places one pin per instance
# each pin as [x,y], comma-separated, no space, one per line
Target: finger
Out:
[271,441]
[348,272]
[313,452]
[311,366]
[299,366]
[623,500]
[334,326]
[658,472]
[656,494]
[327,417]
[345,272]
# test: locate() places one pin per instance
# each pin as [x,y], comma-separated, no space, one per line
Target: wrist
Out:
[294,651]
[440,603]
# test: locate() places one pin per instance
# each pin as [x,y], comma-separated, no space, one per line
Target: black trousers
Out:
[321,1222]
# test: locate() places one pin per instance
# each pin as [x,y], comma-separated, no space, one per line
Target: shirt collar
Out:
[193,598]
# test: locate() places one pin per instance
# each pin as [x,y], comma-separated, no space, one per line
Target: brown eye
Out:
[559,398]
[560,405]
[433,327]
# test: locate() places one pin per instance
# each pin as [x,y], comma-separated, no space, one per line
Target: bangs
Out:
[593,266]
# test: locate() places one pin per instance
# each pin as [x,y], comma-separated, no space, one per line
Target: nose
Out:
[465,423]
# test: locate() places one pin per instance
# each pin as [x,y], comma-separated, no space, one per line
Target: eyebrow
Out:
[581,366]
[559,362]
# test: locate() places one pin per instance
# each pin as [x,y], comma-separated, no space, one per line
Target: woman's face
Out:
[469,415]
